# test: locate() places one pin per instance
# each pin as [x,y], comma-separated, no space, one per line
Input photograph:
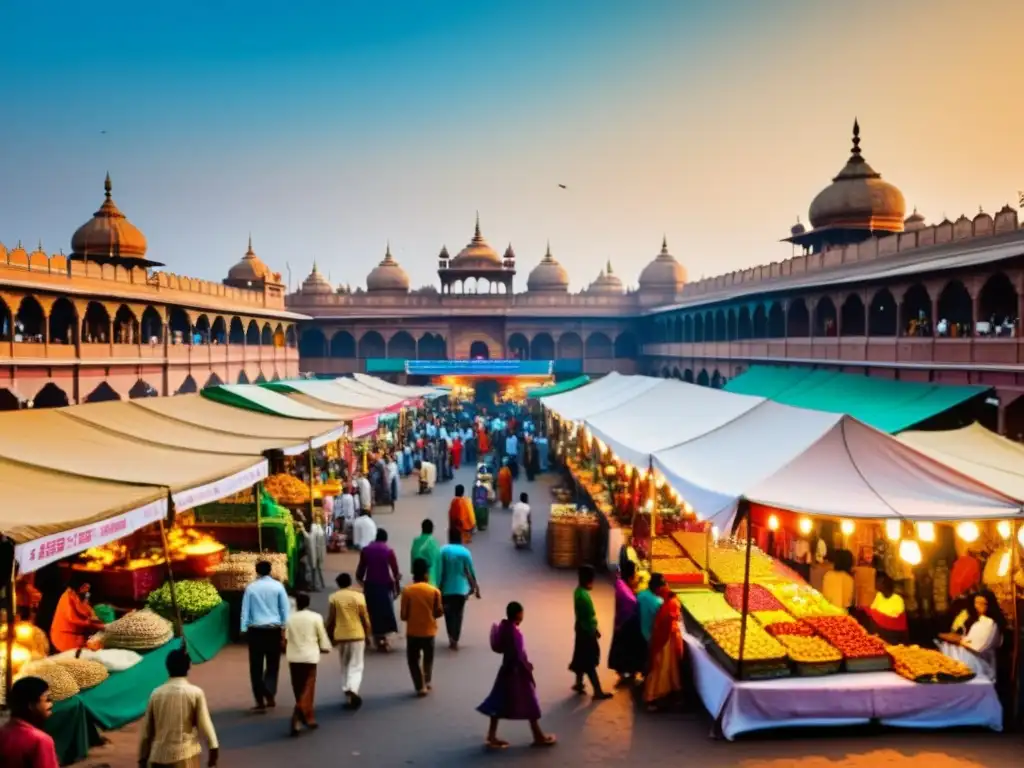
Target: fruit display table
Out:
[837,700]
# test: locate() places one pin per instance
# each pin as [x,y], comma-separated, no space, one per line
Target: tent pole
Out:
[9,608]
[1015,660]
[654,513]
[312,468]
[257,492]
[744,507]
[179,627]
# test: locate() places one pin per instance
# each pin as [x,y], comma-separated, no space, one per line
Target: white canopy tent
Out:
[397,389]
[345,393]
[716,448]
[608,392]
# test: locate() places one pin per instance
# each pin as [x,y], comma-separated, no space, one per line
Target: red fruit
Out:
[790,628]
[760,598]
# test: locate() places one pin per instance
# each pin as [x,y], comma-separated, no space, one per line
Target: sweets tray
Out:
[761,669]
[868,664]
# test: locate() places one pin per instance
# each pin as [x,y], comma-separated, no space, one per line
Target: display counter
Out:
[77,722]
[837,700]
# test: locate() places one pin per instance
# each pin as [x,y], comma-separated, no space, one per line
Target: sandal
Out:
[549,741]
[495,745]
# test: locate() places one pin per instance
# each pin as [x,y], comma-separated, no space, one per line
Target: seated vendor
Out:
[887,616]
[975,638]
[74,621]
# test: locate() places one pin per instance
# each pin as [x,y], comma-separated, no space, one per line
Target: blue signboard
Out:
[478,367]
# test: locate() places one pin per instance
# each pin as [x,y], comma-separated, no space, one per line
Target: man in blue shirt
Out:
[264,614]
[457,582]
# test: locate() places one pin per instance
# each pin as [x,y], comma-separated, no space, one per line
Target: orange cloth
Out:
[73,623]
[484,443]
[505,486]
[460,514]
[663,677]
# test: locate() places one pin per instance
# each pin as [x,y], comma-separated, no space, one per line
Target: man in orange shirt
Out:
[421,608]
[75,621]
[460,514]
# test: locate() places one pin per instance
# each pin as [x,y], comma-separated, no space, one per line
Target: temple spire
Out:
[664,245]
[476,231]
[609,269]
[250,252]
[107,186]
[856,138]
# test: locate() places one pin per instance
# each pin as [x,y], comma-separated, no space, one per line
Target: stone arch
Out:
[518,346]
[998,301]
[243,377]
[776,321]
[702,378]
[825,318]
[798,321]
[179,326]
[721,327]
[666,373]
[371,344]
[675,373]
[96,324]
[312,343]
[732,327]
[570,346]
[956,309]
[688,376]
[478,350]
[188,386]
[343,345]
[5,317]
[151,326]
[126,326]
[882,316]
[30,322]
[717,380]
[744,326]
[852,320]
[102,394]
[402,346]
[290,339]
[626,345]
[219,331]
[141,389]
[213,381]
[50,396]
[916,311]
[432,346]
[236,331]
[760,322]
[260,378]
[267,336]
[63,322]
[599,346]
[542,347]
[252,334]
[709,326]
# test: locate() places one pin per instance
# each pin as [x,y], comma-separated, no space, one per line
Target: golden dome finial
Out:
[855,152]
[107,186]
[476,231]
[250,252]
[547,253]
[664,245]
[314,267]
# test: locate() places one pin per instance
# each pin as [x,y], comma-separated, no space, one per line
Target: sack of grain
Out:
[61,681]
[138,631]
[87,674]
[238,570]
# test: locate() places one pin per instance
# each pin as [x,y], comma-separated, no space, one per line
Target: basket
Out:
[586,545]
[766,669]
[562,545]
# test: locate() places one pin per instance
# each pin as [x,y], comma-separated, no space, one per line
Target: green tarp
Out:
[559,388]
[888,405]
[122,698]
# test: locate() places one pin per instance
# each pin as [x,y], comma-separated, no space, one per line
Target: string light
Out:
[968,532]
[714,533]
[893,530]
[1020,536]
[1005,529]
[926,531]
[910,552]
[847,527]
[806,526]
[773,523]
[1004,564]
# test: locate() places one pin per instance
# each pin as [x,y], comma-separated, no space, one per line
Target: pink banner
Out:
[364,425]
[33,555]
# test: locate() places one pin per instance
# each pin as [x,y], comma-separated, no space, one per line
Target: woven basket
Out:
[563,545]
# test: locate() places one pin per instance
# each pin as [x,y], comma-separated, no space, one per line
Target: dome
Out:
[914,221]
[478,255]
[607,283]
[108,233]
[250,269]
[548,275]
[316,283]
[388,276]
[664,274]
[798,228]
[857,198]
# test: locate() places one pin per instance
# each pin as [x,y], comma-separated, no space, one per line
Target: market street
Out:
[395,728]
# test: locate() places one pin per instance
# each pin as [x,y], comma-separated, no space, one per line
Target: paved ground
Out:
[394,728]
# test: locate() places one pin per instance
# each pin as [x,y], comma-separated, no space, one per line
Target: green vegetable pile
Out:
[196,598]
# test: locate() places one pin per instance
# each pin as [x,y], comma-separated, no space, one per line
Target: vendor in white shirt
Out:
[364,530]
[976,643]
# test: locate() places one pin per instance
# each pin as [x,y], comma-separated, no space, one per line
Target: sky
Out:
[328,128]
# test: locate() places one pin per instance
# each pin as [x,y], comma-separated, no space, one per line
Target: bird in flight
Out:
[562,186]
[102,131]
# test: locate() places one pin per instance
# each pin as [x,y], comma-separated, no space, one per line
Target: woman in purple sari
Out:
[628,654]
[514,695]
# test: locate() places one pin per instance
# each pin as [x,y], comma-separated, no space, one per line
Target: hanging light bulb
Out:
[968,532]
[714,533]
[773,523]
[847,527]
[806,526]
[910,552]
[893,530]
[1005,529]
[1004,564]
[926,531]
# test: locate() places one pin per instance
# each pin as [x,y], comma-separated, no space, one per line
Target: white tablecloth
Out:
[838,700]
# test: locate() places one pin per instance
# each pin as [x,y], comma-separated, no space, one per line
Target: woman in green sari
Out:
[425,546]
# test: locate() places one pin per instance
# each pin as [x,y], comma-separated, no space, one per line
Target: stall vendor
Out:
[74,621]
[976,637]
[887,615]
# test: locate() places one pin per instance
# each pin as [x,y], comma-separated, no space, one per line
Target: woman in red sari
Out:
[663,680]
[457,452]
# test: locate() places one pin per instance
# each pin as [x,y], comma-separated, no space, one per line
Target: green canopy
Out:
[253,397]
[885,404]
[557,389]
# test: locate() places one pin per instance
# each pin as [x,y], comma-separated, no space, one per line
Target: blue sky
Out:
[328,128]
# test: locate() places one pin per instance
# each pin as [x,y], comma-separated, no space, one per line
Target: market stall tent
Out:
[384,400]
[337,393]
[50,515]
[977,452]
[197,410]
[125,419]
[397,389]
[256,398]
[363,421]
[885,404]
[598,396]
[51,439]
